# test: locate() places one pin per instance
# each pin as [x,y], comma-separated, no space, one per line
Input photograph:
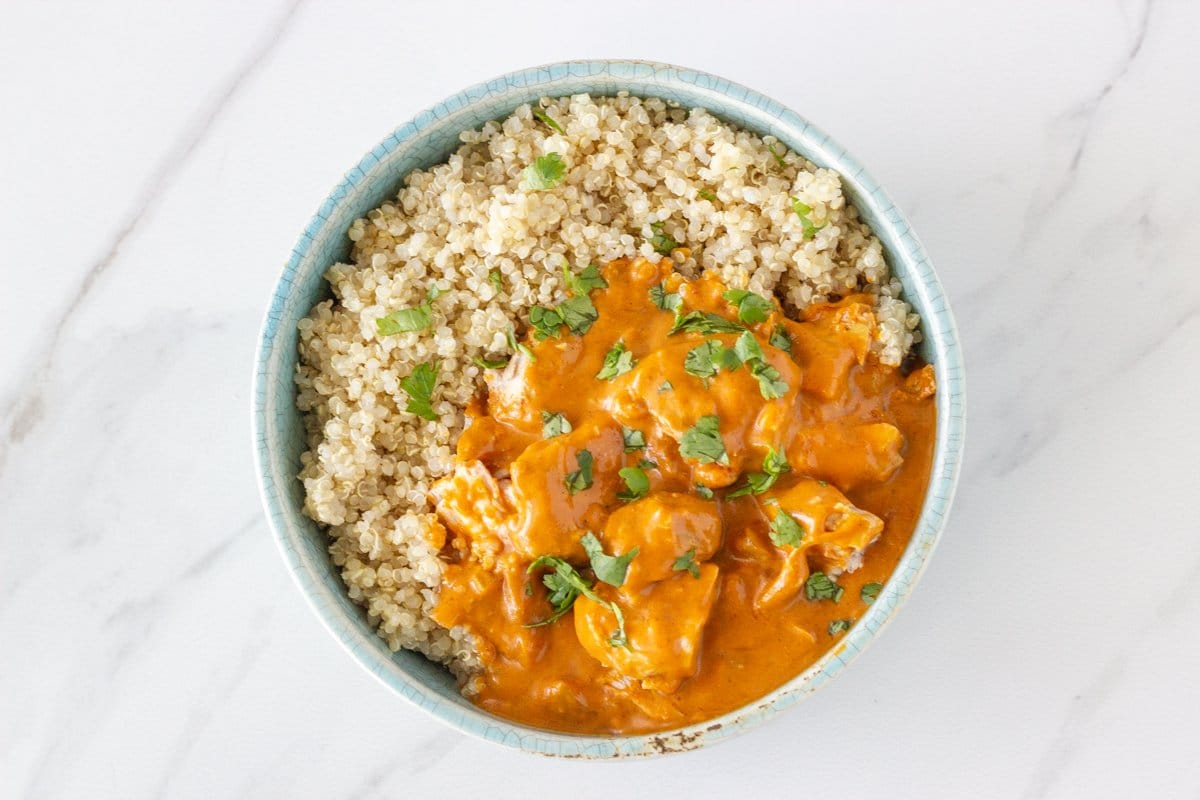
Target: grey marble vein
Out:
[25,411]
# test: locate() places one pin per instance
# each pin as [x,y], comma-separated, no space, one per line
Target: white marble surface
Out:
[157,163]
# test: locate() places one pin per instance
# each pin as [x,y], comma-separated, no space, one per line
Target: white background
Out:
[157,162]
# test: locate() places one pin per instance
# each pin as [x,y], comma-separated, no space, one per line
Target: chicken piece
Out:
[484,602]
[663,623]
[847,455]
[832,339]
[663,526]
[472,505]
[551,517]
[511,398]
[921,383]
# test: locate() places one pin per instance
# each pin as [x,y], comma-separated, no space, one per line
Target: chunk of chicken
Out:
[832,339]
[663,622]
[663,526]
[551,518]
[473,506]
[836,533]
[847,455]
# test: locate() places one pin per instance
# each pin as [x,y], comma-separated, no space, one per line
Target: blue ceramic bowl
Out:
[429,138]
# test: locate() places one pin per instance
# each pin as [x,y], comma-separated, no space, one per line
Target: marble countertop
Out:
[158,162]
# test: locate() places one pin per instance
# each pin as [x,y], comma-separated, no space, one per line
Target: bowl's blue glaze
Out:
[427,139]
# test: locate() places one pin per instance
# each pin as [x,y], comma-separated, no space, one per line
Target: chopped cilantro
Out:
[496,280]
[518,347]
[661,242]
[617,362]
[774,465]
[778,155]
[770,382]
[747,348]
[839,626]
[565,585]
[785,530]
[581,478]
[706,194]
[634,439]
[590,278]
[409,320]
[751,307]
[610,569]
[554,424]
[646,463]
[687,561]
[666,387]
[704,360]
[705,323]
[490,363]
[636,483]
[667,301]
[547,119]
[780,339]
[802,211]
[704,491]
[545,321]
[869,592]
[578,313]
[820,586]
[419,386]
[703,442]
[545,172]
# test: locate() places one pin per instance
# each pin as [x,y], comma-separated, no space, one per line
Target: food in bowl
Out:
[615,414]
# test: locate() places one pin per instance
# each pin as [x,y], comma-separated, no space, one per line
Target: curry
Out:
[674,499]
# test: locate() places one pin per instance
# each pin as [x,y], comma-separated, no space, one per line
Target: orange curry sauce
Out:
[715,608]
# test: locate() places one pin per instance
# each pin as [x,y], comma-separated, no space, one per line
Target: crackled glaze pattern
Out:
[425,140]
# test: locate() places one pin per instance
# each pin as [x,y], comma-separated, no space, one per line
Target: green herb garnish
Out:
[617,361]
[802,211]
[778,156]
[820,586]
[545,322]
[785,530]
[667,301]
[547,119]
[751,307]
[545,172]
[490,363]
[646,463]
[703,442]
[747,348]
[687,561]
[496,280]
[518,347]
[578,313]
[565,585]
[839,626]
[661,242]
[636,483]
[610,569]
[581,478]
[870,591]
[554,424]
[708,195]
[770,383]
[583,283]
[666,387]
[705,323]
[409,320]
[704,360]
[774,465]
[704,491]
[419,386]
[779,338]
[634,439]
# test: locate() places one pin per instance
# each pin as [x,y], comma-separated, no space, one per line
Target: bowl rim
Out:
[761,115]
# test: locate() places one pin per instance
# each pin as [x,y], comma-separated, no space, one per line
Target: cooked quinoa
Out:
[724,194]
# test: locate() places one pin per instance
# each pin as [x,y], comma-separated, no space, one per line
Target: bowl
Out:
[429,138]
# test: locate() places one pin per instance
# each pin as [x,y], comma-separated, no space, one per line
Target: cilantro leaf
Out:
[610,569]
[578,313]
[554,424]
[780,339]
[617,362]
[585,281]
[820,586]
[785,530]
[802,211]
[547,119]
[545,172]
[706,194]
[704,491]
[636,483]
[419,386]
[409,320]
[770,383]
[518,347]
[566,585]
[705,323]
[687,561]
[490,363]
[839,626]
[581,478]
[666,387]
[703,442]
[634,439]
[497,280]
[869,592]
[774,465]
[646,463]
[747,348]
[667,301]
[661,242]
[751,307]
[704,359]
[778,155]
[545,321]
